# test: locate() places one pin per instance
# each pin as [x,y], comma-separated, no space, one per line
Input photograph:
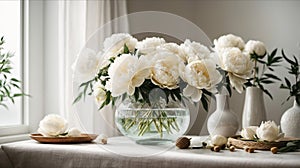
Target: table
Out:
[121,152]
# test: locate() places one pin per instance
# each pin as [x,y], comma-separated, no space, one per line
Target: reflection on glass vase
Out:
[254,111]
[290,121]
[223,121]
[152,125]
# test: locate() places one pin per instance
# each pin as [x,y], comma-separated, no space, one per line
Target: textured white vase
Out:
[254,111]
[223,121]
[290,121]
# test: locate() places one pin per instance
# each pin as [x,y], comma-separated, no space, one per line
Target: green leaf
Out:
[288,83]
[4,105]
[296,61]
[284,87]
[15,80]
[78,98]
[287,59]
[18,95]
[267,81]
[272,76]
[273,53]
[126,50]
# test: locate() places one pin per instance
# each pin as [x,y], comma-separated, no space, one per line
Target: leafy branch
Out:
[294,88]
[86,88]
[7,83]
[266,74]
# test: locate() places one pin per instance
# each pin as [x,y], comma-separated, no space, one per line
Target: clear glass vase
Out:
[152,124]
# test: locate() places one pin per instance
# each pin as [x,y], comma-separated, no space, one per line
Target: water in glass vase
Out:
[152,126]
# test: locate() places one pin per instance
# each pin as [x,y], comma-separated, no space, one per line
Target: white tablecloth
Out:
[121,152]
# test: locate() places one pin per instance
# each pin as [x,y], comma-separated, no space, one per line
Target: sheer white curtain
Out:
[79,22]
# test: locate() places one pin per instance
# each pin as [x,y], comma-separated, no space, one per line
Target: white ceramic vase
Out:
[290,121]
[223,121]
[254,111]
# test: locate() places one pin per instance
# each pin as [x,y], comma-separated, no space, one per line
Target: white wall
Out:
[276,23]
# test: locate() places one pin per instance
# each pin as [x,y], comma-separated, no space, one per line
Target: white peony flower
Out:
[269,131]
[175,49]
[165,71]
[74,132]
[52,125]
[99,93]
[238,65]
[192,92]
[115,43]
[256,47]
[249,132]
[126,73]
[218,140]
[148,45]
[228,41]
[194,51]
[86,65]
[200,74]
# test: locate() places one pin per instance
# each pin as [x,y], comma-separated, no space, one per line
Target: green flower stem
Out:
[255,72]
[161,122]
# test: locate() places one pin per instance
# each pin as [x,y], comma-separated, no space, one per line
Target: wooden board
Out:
[261,145]
[83,138]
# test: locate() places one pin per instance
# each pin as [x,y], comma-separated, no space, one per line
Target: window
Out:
[11,29]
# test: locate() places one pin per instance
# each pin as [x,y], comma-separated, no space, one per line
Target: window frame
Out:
[32,72]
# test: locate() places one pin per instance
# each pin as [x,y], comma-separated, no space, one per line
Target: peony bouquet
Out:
[244,65]
[152,74]
[128,67]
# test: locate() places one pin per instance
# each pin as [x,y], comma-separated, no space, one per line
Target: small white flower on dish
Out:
[74,132]
[269,131]
[52,125]
[249,132]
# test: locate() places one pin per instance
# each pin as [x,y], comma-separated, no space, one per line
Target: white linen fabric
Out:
[121,152]
[79,29]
